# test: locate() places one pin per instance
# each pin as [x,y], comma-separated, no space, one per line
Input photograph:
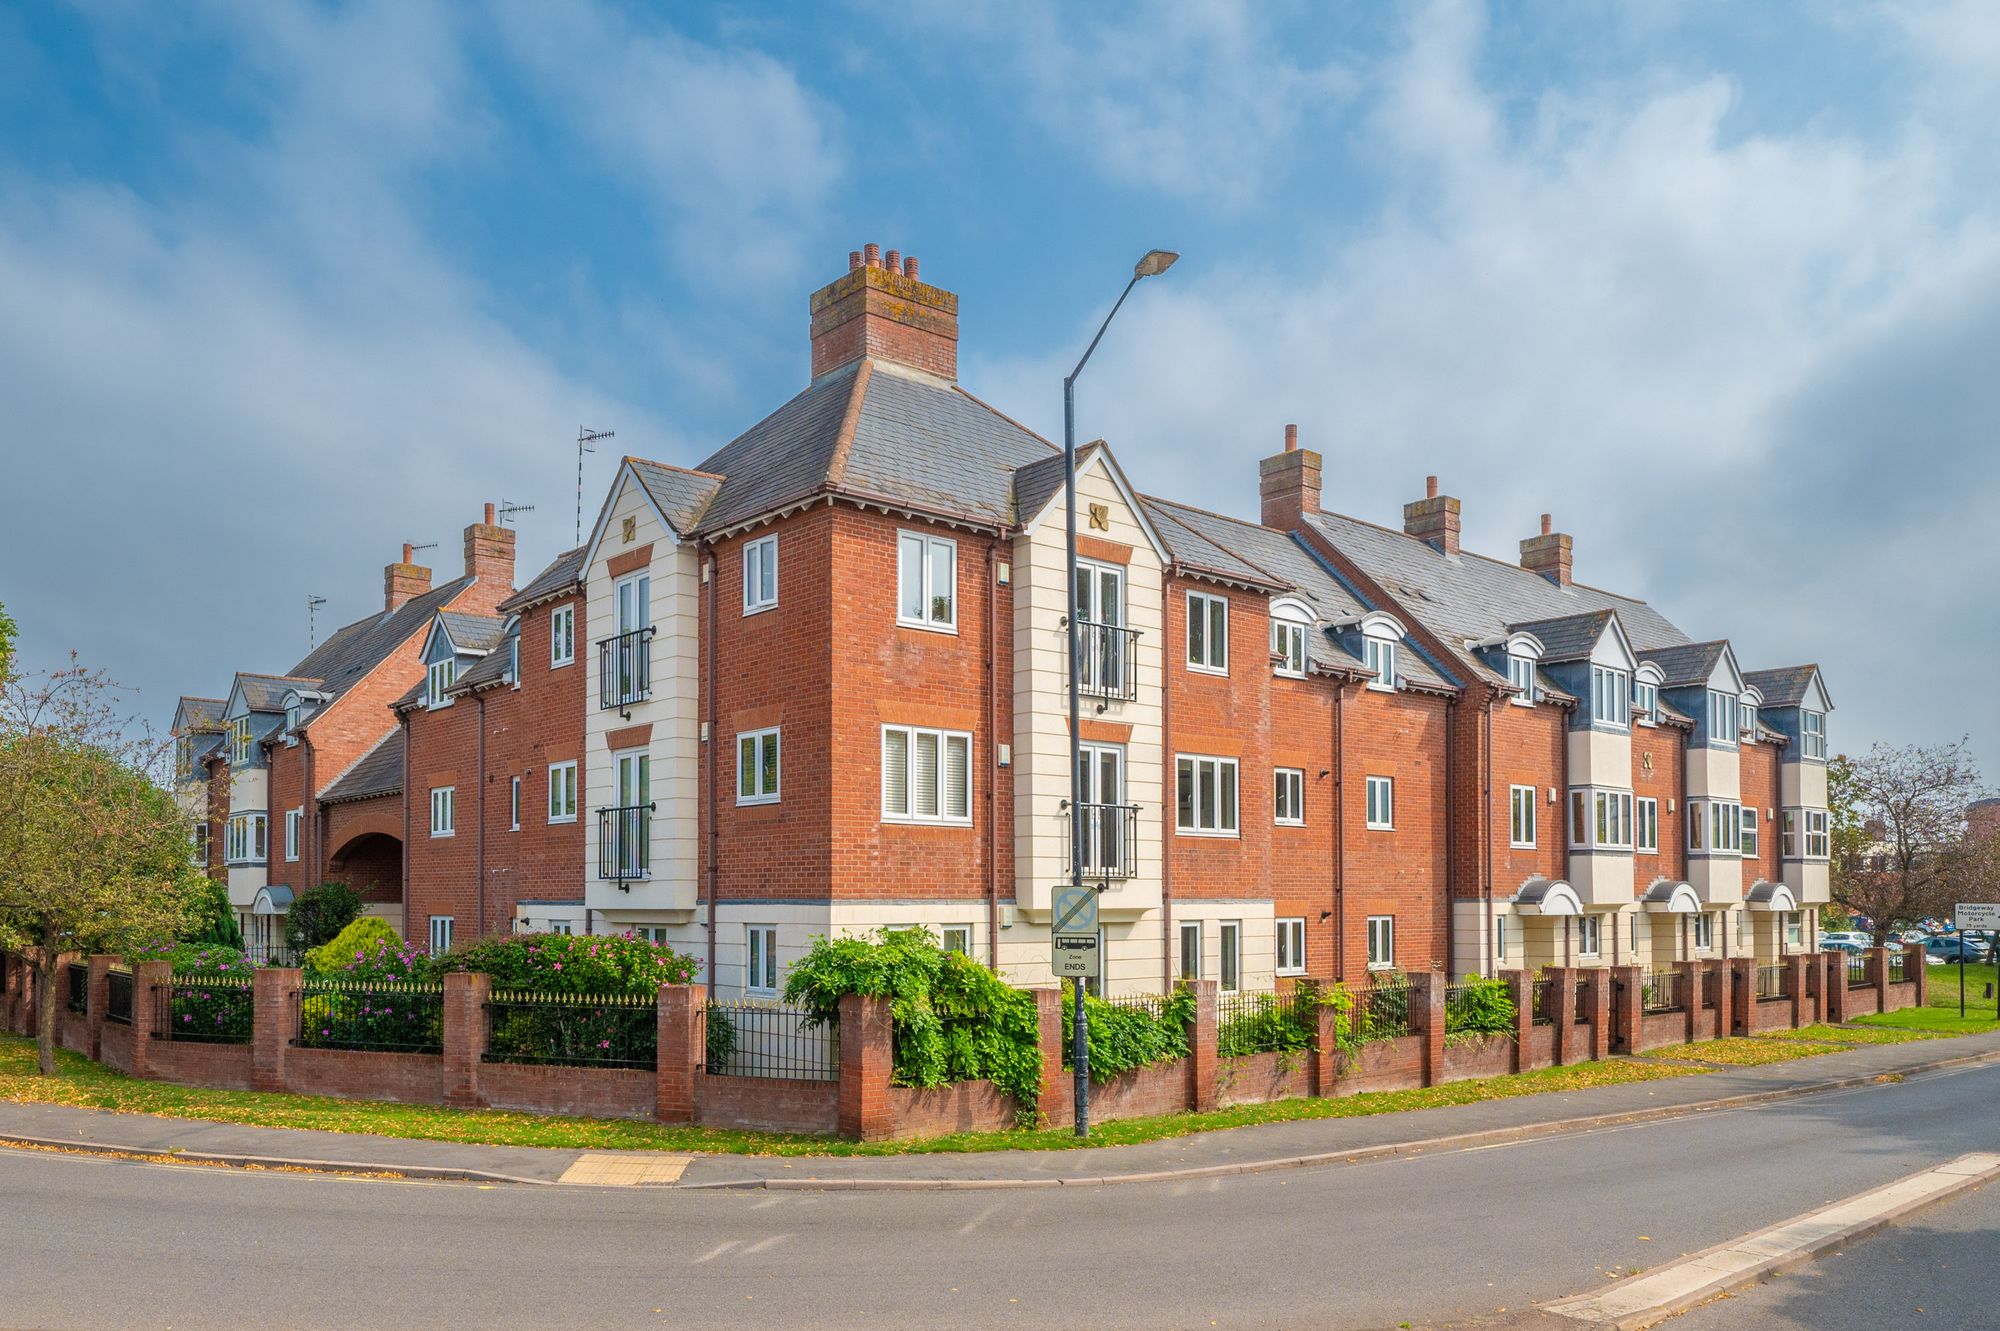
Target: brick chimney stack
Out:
[489,557]
[1289,484]
[880,308]
[405,580]
[1433,519]
[1548,554]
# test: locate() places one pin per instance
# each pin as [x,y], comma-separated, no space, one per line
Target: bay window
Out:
[1610,696]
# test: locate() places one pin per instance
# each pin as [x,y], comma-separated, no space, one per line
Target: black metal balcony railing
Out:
[1110,840]
[624,844]
[1109,655]
[624,668]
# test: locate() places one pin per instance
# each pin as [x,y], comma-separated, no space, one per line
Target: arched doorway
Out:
[372,864]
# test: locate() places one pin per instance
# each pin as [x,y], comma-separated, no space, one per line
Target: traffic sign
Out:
[1984,915]
[1075,910]
[1076,956]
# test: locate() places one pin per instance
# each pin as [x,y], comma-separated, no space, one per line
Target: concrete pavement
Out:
[1433,1238]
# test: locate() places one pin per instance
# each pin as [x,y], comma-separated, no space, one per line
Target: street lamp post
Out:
[1155,262]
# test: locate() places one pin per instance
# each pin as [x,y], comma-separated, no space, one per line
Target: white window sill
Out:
[1380,827]
[1289,674]
[925,626]
[1221,672]
[1380,687]
[558,665]
[896,820]
[1288,822]
[743,802]
[1211,834]
[1381,965]
[1520,845]
[437,834]
[1520,701]
[515,828]
[1290,970]
[1647,850]
[750,610]
[561,818]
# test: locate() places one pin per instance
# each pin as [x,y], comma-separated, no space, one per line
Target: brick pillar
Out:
[272,1023]
[147,978]
[1878,969]
[1795,984]
[867,1056]
[1743,972]
[1691,993]
[1562,985]
[1055,1108]
[97,1001]
[1915,967]
[465,995]
[1427,1008]
[1521,985]
[1598,978]
[1201,1049]
[1836,1003]
[1631,1007]
[682,1046]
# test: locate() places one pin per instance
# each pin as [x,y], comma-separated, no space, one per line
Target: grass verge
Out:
[89,1085]
[1745,1051]
[1931,1020]
[1848,1035]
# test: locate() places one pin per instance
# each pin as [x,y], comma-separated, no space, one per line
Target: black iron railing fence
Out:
[1265,1023]
[1382,1010]
[383,1015]
[573,1030]
[78,980]
[624,668]
[1711,988]
[1109,657]
[1580,1014]
[1663,990]
[749,1037]
[118,996]
[1542,1001]
[1110,840]
[200,1008]
[1898,961]
[1772,982]
[1858,974]
[624,843]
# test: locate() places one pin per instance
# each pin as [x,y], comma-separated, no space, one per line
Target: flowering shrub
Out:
[209,958]
[573,963]
[359,947]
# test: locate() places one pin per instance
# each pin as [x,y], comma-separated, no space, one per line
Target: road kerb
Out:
[1351,1156]
[1647,1299]
[153,1155]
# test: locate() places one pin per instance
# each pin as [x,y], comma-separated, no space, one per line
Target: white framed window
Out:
[1721,718]
[1610,696]
[1521,674]
[440,934]
[243,839]
[292,712]
[958,938]
[294,820]
[1381,942]
[656,934]
[1208,633]
[1795,928]
[1812,734]
[562,636]
[1646,825]
[757,767]
[1749,840]
[1500,937]
[1704,932]
[514,804]
[1818,845]
[444,801]
[1521,817]
[1289,800]
[562,927]
[926,775]
[1589,935]
[1379,655]
[1292,945]
[1646,701]
[1288,648]
[1205,798]
[760,574]
[1381,803]
[1746,719]
[926,581]
[1190,931]
[240,741]
[1600,819]
[438,678]
[1788,833]
[1229,968]
[760,970]
[632,602]
[562,792]
[198,843]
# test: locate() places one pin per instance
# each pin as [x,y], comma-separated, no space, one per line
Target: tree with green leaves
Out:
[93,848]
[319,915]
[7,632]
[1904,856]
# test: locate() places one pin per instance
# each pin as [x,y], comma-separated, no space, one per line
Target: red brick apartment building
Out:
[818,684]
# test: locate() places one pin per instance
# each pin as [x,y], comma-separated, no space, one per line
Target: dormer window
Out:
[1610,696]
[240,741]
[1746,718]
[1722,718]
[1646,701]
[438,680]
[1379,655]
[291,716]
[1812,734]
[1289,620]
[1521,674]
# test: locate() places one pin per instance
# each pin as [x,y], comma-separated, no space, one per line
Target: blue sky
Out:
[287,284]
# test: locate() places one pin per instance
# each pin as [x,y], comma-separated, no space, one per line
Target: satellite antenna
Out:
[313,603]
[508,508]
[584,440]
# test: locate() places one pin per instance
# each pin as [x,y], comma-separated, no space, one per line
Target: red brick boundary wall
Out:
[863,1103]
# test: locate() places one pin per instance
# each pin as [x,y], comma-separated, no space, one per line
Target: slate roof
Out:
[683,495]
[1280,558]
[493,668]
[1783,687]
[561,575]
[1196,551]
[1570,638]
[1689,663]
[354,650]
[1470,597]
[266,693]
[473,633]
[377,772]
[874,431]
[201,713]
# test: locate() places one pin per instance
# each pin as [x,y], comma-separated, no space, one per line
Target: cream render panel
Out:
[1802,785]
[672,708]
[1600,758]
[250,791]
[1601,878]
[1810,881]
[1716,879]
[1041,700]
[1713,774]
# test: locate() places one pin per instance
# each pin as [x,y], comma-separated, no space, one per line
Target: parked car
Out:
[1956,948]
[1830,943]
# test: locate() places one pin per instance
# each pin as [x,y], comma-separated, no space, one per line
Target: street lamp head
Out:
[1155,263]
